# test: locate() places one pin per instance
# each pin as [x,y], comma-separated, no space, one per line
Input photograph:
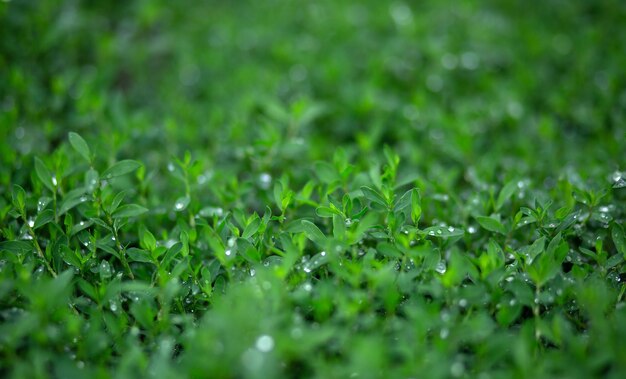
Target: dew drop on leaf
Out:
[265,343]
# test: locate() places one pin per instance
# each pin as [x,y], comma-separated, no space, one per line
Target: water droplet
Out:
[463,303]
[431,233]
[170,167]
[105,269]
[181,204]
[54,180]
[457,369]
[512,302]
[348,222]
[441,267]
[20,132]
[451,229]
[618,180]
[323,253]
[231,241]
[401,14]
[211,212]
[113,306]
[264,343]
[444,333]
[434,82]
[31,222]
[307,287]
[470,60]
[228,252]
[441,197]
[449,61]
[296,333]
[471,230]
[265,180]
[439,231]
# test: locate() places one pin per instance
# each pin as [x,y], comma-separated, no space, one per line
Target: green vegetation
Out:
[324,189]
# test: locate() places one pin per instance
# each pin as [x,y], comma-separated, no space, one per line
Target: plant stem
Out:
[40,253]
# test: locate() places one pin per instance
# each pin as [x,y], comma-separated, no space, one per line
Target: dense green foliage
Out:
[329,189]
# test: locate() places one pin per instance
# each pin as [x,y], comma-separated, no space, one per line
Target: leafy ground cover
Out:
[312,189]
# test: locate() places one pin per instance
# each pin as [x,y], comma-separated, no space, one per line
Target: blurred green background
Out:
[496,86]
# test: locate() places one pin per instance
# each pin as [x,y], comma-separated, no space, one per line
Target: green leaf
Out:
[444,231]
[404,201]
[252,227]
[171,254]
[416,206]
[71,200]
[91,180]
[18,196]
[364,224]
[374,196]
[614,261]
[339,227]
[491,224]
[16,247]
[43,218]
[117,200]
[491,260]
[248,251]
[389,250]
[88,289]
[323,211]
[617,233]
[79,144]
[129,210]
[431,260]
[278,194]
[326,172]
[507,191]
[44,174]
[80,226]
[146,238]
[537,247]
[139,255]
[121,168]
[313,232]
[508,312]
[184,240]
[71,257]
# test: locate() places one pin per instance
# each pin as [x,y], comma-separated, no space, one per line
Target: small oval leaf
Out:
[121,168]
